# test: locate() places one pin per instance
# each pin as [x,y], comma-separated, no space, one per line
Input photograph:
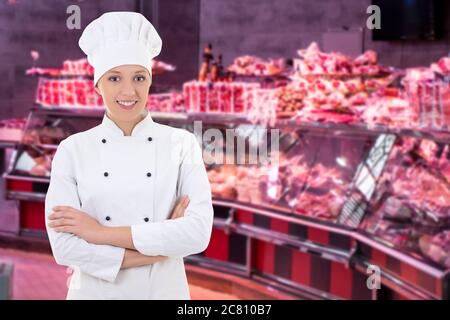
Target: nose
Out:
[128,90]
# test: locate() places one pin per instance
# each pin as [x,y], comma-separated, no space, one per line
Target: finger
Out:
[60,215]
[183,209]
[61,222]
[174,211]
[182,212]
[183,204]
[68,229]
[177,209]
[55,215]
[61,208]
[182,200]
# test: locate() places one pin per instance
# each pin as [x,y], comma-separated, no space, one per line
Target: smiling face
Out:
[125,91]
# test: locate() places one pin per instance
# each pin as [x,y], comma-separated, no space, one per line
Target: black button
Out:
[149,174]
[105,174]
[108,218]
[104,140]
[150,139]
[146,219]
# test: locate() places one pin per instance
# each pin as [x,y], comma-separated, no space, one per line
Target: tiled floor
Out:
[37,276]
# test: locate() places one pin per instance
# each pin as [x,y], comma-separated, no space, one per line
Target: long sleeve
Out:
[101,261]
[189,234]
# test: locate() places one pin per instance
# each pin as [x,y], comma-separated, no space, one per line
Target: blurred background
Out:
[358,91]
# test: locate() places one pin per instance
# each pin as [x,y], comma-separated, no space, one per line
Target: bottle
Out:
[207,57]
[216,73]
[203,70]
[220,67]
[207,52]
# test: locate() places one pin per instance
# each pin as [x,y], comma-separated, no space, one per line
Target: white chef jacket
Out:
[131,181]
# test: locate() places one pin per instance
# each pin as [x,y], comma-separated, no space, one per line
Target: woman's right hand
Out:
[180,207]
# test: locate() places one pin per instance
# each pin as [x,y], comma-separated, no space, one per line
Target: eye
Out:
[114,78]
[140,78]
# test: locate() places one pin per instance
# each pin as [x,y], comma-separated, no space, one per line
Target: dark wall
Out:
[178,25]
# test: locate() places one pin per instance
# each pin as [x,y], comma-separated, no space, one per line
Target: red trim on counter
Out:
[301,268]
[279,225]
[19,185]
[265,256]
[243,216]
[32,215]
[317,235]
[218,246]
[341,280]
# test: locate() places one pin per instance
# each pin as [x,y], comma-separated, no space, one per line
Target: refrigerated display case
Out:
[324,204]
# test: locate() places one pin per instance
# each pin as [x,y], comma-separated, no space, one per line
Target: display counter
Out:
[340,201]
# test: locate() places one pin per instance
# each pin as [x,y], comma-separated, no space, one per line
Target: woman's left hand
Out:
[71,220]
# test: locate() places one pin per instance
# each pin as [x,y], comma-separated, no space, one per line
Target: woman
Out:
[111,208]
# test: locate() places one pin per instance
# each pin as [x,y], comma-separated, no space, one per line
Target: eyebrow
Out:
[118,72]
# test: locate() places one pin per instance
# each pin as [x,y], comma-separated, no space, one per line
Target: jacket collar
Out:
[142,128]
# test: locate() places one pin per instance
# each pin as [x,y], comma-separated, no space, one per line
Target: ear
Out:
[97,90]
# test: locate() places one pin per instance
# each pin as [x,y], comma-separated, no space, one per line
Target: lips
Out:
[126,104]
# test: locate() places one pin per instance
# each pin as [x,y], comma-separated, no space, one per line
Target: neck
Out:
[127,126]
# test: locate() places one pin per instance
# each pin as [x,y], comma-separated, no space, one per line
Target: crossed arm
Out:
[71,220]
[79,240]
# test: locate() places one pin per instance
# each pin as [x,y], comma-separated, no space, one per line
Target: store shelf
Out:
[350,128]
[285,215]
[296,244]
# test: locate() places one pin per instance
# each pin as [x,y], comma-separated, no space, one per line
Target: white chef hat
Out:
[118,38]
